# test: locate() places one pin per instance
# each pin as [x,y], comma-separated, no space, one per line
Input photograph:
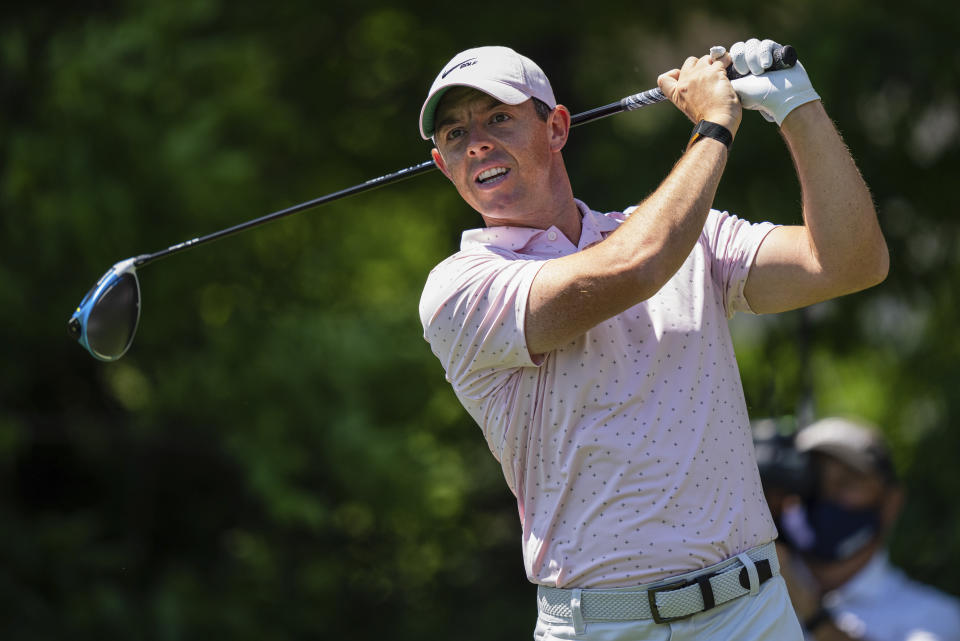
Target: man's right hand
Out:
[701,90]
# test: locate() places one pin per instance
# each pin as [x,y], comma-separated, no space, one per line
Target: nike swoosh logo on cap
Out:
[460,65]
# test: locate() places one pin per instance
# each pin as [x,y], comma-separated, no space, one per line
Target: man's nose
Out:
[479,142]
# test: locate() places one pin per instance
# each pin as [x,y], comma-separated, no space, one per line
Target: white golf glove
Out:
[773,93]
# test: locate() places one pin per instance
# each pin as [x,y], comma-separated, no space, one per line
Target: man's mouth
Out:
[490,176]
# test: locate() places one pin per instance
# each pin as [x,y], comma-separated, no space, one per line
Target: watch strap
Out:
[707,129]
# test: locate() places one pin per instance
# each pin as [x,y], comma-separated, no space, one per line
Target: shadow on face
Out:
[855,489]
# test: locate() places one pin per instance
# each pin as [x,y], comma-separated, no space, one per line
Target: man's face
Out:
[847,486]
[498,156]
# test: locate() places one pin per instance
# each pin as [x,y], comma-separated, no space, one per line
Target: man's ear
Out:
[559,125]
[438,161]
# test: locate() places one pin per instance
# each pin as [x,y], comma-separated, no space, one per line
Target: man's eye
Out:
[454,134]
[500,118]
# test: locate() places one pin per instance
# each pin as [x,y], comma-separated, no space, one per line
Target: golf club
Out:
[106,320]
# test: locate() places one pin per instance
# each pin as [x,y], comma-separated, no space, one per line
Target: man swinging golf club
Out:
[593,350]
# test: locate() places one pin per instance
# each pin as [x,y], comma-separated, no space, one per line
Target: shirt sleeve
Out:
[473,309]
[732,244]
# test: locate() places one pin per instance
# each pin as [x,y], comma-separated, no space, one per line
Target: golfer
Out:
[593,349]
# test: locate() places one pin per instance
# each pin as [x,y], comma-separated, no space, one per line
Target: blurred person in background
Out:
[835,496]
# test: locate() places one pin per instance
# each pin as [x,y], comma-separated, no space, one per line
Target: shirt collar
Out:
[594,226]
[866,583]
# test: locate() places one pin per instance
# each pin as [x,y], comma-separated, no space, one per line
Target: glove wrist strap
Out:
[707,129]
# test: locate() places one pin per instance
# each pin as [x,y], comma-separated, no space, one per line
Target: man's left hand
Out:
[773,93]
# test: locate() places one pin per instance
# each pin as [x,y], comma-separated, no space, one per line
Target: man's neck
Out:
[555,207]
[566,217]
[571,226]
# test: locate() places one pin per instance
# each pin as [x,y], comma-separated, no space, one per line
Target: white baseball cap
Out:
[856,443]
[498,71]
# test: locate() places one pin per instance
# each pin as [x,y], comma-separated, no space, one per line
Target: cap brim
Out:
[859,461]
[847,442]
[501,91]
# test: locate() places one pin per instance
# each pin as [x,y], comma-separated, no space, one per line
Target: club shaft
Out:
[629,103]
[783,57]
[393,177]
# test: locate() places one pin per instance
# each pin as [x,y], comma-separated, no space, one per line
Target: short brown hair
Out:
[543,109]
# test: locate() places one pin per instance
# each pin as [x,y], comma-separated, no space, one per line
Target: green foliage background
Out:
[278,456]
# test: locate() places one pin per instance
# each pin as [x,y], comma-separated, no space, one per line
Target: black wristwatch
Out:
[708,129]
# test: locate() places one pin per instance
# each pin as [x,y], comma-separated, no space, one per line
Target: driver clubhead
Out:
[106,320]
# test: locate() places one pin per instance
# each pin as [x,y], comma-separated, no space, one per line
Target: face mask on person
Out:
[839,532]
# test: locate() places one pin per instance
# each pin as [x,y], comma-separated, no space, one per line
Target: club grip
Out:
[784,57]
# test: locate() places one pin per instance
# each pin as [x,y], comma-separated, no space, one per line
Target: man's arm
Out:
[574,293]
[839,249]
